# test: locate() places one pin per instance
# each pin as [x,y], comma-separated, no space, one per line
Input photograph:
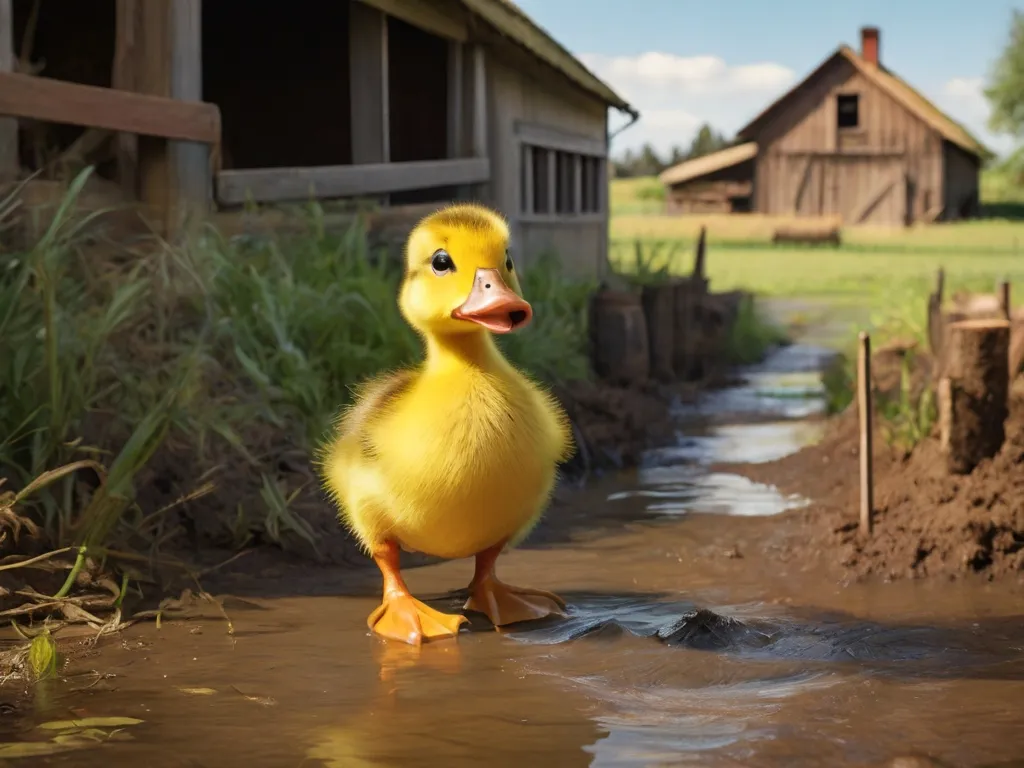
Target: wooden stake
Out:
[698,261]
[1004,298]
[940,284]
[867,482]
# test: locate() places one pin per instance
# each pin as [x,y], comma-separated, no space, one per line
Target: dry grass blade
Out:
[35,560]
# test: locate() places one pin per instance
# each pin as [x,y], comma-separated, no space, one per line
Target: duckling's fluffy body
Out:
[458,456]
[447,462]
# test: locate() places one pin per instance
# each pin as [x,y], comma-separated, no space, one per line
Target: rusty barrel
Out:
[618,333]
[659,313]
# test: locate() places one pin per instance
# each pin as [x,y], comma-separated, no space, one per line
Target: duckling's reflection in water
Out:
[439,656]
[429,708]
[365,739]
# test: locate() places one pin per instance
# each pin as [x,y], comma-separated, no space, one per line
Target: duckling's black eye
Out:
[442,263]
[508,262]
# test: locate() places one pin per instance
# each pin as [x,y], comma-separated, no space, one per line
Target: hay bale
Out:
[819,234]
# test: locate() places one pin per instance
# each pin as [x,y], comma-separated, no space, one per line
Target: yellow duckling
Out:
[458,456]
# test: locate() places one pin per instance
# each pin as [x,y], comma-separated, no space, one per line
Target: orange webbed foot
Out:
[402,617]
[504,604]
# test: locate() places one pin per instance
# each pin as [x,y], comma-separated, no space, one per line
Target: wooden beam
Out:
[57,101]
[425,14]
[552,181]
[577,184]
[456,109]
[368,82]
[122,78]
[270,185]
[875,196]
[455,100]
[8,126]
[192,177]
[526,155]
[478,79]
[805,180]
[152,75]
[543,136]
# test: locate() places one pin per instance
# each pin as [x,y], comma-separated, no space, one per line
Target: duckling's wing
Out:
[373,399]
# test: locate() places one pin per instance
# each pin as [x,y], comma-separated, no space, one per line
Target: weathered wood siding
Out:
[524,97]
[807,166]
[726,191]
[961,183]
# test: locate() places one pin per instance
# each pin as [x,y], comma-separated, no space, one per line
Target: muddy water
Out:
[787,669]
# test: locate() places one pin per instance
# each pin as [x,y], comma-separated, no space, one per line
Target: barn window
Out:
[556,182]
[848,110]
[540,158]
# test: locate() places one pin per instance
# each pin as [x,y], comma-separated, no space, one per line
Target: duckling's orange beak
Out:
[493,304]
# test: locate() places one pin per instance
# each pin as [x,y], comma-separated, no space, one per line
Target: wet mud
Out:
[928,523]
[691,639]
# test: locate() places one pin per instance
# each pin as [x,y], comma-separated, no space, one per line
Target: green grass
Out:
[221,353]
[643,195]
[752,335]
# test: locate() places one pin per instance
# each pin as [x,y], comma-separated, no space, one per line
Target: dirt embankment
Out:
[927,523]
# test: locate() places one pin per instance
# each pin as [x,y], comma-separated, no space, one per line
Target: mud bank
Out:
[928,524]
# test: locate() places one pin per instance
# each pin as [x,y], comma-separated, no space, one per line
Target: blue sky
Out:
[682,63]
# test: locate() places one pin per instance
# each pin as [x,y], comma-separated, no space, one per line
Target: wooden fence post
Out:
[867,501]
[1004,298]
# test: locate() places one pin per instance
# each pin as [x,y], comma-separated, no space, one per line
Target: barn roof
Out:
[508,19]
[889,82]
[702,166]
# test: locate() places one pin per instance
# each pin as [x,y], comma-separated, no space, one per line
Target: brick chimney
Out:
[869,44]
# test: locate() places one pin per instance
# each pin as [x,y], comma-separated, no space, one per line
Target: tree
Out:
[649,164]
[1005,89]
[677,155]
[706,141]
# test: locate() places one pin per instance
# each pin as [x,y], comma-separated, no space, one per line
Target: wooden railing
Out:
[57,101]
[276,185]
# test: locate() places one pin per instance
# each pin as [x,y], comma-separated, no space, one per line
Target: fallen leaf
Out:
[90,722]
[42,656]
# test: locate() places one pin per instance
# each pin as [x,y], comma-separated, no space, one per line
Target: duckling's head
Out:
[459,275]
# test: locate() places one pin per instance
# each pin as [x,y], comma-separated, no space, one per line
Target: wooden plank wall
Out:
[808,125]
[523,93]
[8,125]
[962,183]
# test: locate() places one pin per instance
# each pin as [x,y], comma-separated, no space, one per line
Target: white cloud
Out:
[676,94]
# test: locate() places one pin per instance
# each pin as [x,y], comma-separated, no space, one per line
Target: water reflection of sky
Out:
[675,480]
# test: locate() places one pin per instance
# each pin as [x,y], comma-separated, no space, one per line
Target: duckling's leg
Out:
[401,616]
[504,604]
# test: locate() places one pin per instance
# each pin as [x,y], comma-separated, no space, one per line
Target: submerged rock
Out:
[706,630]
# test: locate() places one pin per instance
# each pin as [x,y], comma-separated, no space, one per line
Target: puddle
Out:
[714,493]
[672,654]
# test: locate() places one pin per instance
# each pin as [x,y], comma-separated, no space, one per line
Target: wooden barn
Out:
[851,141]
[189,107]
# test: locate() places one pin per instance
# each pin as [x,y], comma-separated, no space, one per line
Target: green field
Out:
[887,271]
